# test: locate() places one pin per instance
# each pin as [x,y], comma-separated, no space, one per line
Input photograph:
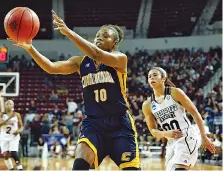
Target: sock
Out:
[81,164]
[181,169]
[9,164]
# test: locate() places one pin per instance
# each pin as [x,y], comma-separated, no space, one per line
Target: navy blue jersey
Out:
[104,89]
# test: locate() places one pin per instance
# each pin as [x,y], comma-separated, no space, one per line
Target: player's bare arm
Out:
[60,67]
[114,59]
[151,123]
[180,96]
[20,124]
[5,122]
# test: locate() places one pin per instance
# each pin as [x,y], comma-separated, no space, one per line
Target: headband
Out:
[163,72]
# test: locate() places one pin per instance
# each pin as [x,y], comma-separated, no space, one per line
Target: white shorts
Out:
[9,145]
[184,151]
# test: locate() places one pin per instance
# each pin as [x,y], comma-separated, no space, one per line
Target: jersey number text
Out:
[8,129]
[174,125]
[100,95]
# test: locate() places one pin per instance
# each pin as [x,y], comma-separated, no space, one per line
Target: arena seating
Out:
[32,86]
[96,13]
[174,18]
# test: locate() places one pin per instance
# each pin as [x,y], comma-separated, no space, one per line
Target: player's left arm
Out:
[179,96]
[20,125]
[113,59]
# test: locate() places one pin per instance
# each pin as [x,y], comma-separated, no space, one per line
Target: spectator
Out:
[32,108]
[56,150]
[40,146]
[69,121]
[78,117]
[35,129]
[72,106]
[53,97]
[24,140]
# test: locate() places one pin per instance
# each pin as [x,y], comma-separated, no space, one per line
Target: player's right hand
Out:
[173,134]
[208,144]
[61,26]
[25,45]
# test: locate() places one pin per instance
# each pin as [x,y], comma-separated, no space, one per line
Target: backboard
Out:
[9,84]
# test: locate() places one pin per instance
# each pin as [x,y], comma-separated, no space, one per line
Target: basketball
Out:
[21,24]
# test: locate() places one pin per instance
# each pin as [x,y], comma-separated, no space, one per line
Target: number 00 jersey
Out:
[104,89]
[9,128]
[169,114]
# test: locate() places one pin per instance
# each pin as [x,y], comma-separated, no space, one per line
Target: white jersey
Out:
[9,128]
[169,114]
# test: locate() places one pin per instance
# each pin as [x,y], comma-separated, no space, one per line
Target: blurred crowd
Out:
[188,69]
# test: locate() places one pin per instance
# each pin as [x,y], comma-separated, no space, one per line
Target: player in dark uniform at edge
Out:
[108,128]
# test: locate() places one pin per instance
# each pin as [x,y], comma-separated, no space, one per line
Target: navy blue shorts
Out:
[115,136]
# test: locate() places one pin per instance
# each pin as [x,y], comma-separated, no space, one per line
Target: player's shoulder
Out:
[175,91]
[147,102]
[17,114]
[119,53]
[76,59]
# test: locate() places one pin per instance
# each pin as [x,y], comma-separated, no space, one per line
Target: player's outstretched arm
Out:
[152,125]
[180,96]
[60,67]
[113,59]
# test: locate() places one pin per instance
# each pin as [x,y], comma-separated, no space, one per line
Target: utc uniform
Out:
[170,115]
[108,128]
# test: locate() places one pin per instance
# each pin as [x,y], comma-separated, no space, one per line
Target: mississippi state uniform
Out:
[170,115]
[9,142]
[108,128]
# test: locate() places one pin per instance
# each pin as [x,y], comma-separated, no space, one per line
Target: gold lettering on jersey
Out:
[97,78]
[166,113]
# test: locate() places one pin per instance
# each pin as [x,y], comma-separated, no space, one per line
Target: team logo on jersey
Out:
[87,65]
[97,78]
[166,113]
[153,106]
[168,97]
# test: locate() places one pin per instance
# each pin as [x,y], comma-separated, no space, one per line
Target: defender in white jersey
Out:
[10,128]
[166,107]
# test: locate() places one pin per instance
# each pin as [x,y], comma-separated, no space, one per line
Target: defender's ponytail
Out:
[169,83]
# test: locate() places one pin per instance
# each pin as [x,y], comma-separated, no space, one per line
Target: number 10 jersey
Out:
[104,89]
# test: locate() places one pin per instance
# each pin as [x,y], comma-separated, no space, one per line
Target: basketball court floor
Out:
[107,164]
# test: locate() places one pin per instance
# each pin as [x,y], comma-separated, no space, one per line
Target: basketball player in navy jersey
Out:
[166,107]
[108,128]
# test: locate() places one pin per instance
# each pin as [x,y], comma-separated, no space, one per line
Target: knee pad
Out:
[80,164]
[15,156]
